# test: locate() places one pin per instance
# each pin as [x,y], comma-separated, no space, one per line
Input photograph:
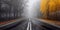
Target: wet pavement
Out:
[29,24]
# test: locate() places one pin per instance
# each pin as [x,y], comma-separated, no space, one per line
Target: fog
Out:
[31,9]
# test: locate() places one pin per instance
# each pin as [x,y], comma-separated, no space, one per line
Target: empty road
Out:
[29,24]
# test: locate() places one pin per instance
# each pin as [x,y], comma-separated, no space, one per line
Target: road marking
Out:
[29,27]
[30,24]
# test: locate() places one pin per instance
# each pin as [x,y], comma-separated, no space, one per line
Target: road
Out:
[29,24]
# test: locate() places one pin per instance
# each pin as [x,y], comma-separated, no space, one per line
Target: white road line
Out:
[29,27]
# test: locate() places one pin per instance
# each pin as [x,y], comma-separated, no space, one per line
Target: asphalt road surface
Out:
[29,24]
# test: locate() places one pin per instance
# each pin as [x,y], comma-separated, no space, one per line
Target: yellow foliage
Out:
[50,5]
